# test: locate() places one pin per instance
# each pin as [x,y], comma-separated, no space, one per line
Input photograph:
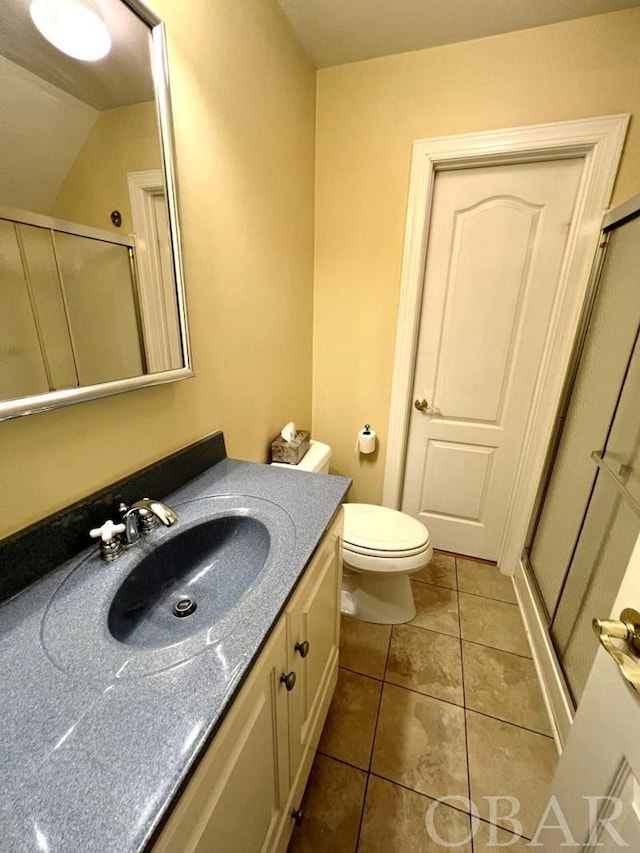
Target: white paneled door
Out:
[497,239]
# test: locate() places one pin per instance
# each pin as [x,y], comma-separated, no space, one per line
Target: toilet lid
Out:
[379,529]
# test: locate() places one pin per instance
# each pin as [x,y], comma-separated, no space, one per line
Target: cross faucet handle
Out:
[110,544]
[108,531]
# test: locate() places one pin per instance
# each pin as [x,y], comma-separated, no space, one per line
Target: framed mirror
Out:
[92,300]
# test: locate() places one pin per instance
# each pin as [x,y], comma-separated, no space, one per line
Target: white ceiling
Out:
[122,77]
[337,31]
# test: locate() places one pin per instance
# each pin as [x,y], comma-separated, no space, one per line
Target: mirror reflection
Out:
[88,286]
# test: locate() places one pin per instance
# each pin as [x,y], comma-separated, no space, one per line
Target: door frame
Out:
[143,188]
[599,142]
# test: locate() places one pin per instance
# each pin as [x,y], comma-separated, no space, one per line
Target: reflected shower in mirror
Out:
[91,297]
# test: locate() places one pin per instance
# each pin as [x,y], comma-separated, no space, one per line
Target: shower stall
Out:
[69,307]
[588,516]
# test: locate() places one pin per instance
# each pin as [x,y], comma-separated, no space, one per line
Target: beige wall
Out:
[244,106]
[124,139]
[368,115]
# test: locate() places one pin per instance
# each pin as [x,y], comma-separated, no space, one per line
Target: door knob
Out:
[421,404]
[628,628]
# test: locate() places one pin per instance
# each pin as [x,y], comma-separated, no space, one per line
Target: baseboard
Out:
[554,689]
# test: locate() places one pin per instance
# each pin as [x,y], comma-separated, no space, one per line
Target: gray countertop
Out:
[95,743]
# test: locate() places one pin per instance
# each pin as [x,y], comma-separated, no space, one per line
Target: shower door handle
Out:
[628,628]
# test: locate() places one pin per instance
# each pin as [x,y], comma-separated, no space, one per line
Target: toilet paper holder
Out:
[366,441]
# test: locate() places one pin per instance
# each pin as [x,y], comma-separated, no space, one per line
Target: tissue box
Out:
[290,452]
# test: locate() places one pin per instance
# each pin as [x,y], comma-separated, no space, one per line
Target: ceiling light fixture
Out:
[75,27]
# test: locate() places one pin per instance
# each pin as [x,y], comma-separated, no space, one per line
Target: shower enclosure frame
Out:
[54,226]
[555,689]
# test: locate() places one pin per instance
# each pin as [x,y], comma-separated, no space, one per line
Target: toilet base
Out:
[381,598]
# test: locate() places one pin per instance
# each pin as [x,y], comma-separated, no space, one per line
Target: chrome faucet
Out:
[142,516]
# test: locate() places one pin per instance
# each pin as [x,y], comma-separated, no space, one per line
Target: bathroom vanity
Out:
[126,728]
[246,793]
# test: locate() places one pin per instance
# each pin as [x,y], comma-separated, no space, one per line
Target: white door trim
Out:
[143,186]
[599,141]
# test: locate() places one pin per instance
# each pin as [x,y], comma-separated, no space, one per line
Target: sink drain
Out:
[184,607]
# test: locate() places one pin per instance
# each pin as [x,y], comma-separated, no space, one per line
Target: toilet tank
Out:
[316,459]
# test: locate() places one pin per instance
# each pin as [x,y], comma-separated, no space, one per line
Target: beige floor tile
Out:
[351,721]
[364,646]
[507,761]
[427,662]
[395,821]
[420,743]
[491,839]
[504,685]
[436,609]
[483,579]
[493,623]
[441,571]
[331,806]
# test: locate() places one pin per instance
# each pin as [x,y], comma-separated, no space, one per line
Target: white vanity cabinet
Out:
[245,794]
[313,631]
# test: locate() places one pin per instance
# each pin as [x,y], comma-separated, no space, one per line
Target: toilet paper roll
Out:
[366,440]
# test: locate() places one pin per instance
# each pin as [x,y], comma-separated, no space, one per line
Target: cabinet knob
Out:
[302,648]
[288,679]
[297,815]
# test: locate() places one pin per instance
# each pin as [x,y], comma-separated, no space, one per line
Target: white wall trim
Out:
[143,186]
[554,689]
[599,141]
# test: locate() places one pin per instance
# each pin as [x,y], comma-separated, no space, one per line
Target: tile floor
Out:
[446,706]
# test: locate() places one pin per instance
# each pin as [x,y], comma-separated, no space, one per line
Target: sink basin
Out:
[210,565]
[176,593]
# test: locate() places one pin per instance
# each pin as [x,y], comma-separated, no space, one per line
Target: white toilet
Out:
[381,548]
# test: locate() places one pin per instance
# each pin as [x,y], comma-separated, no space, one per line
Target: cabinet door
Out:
[234,802]
[314,630]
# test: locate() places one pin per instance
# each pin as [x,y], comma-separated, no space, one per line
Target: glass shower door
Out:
[609,532]
[69,307]
[22,365]
[587,523]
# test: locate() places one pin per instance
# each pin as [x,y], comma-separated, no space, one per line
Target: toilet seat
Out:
[388,553]
[381,528]
[393,564]
[382,540]
[379,531]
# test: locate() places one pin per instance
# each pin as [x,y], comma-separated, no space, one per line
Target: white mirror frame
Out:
[66,397]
